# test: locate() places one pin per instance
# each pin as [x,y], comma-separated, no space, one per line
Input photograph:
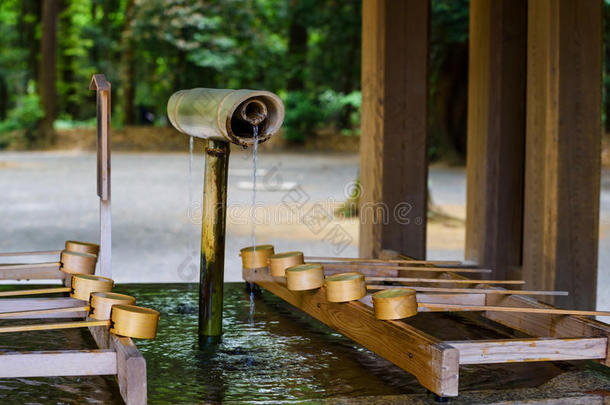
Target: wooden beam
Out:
[131,365]
[433,363]
[393,149]
[562,159]
[496,134]
[57,363]
[529,350]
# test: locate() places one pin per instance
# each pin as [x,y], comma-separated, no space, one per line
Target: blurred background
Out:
[307,51]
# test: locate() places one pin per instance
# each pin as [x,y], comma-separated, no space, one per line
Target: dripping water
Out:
[190,210]
[253,220]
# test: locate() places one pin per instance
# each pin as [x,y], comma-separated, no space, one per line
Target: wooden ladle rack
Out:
[435,362]
[115,355]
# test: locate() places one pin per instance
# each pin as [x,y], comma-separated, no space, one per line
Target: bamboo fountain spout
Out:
[221,117]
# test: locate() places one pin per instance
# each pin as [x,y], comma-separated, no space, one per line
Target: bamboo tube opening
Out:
[303,277]
[279,262]
[135,322]
[255,257]
[82,247]
[102,303]
[395,303]
[77,262]
[85,284]
[345,287]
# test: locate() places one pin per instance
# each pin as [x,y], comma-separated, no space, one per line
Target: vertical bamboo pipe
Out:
[213,241]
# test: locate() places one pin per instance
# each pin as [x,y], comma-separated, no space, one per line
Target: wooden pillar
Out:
[562,160]
[496,134]
[393,161]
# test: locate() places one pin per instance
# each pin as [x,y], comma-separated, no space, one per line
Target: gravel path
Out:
[49,197]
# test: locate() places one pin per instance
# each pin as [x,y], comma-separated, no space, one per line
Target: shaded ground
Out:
[48,197]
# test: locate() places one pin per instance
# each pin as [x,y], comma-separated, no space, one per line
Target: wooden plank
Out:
[24,304]
[394,127]
[496,134]
[33,253]
[57,363]
[131,365]
[103,95]
[529,350]
[50,271]
[545,325]
[562,159]
[433,363]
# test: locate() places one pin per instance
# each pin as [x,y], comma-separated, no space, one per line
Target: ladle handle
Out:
[34,292]
[364,260]
[442,280]
[49,265]
[37,253]
[44,311]
[555,311]
[52,326]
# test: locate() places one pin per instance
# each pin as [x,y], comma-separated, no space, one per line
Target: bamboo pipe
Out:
[468,290]
[100,305]
[442,280]
[363,260]
[402,303]
[373,266]
[82,287]
[125,320]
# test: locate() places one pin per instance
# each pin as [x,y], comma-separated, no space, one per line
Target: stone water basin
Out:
[277,354]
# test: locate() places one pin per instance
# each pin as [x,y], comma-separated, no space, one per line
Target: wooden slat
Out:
[496,134]
[529,350]
[50,271]
[57,363]
[131,365]
[562,154]
[393,152]
[545,325]
[24,304]
[433,363]
[33,253]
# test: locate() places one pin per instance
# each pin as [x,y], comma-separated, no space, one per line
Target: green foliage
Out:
[21,120]
[306,113]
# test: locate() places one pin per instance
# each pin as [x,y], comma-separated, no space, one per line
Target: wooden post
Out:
[562,159]
[102,87]
[213,241]
[496,134]
[393,151]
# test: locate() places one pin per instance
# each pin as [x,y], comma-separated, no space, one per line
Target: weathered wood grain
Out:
[529,350]
[57,363]
[496,134]
[433,363]
[393,151]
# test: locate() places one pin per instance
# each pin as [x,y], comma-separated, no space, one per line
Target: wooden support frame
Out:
[562,154]
[496,135]
[115,355]
[435,363]
[393,146]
